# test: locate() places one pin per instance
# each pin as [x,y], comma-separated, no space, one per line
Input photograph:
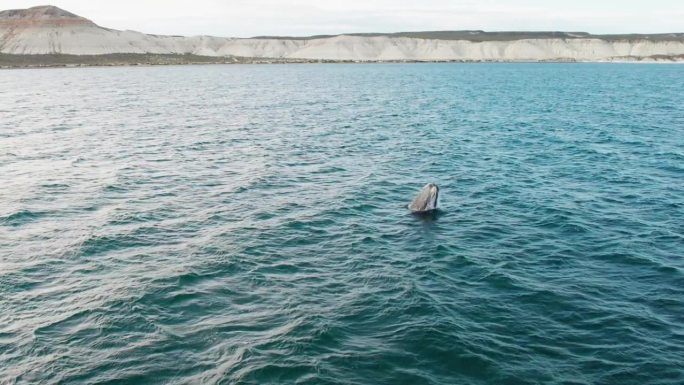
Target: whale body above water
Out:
[426,200]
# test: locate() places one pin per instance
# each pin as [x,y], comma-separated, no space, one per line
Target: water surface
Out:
[247,224]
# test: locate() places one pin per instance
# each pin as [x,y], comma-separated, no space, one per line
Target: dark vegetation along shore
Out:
[9,61]
[129,59]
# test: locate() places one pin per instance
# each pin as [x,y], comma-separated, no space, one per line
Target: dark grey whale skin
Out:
[426,200]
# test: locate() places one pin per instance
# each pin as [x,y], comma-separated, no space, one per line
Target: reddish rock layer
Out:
[42,16]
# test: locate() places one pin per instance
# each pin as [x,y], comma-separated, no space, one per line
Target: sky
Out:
[246,18]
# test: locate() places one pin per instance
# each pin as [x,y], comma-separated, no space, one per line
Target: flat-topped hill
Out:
[480,36]
[44,15]
[49,30]
[39,12]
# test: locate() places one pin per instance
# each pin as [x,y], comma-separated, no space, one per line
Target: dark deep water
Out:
[248,225]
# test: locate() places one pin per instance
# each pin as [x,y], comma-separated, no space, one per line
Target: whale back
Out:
[426,200]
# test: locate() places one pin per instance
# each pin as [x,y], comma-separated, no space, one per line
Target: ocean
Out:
[248,224]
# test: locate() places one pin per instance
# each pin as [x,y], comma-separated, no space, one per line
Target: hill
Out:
[48,30]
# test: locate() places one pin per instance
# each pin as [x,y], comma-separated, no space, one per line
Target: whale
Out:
[426,200]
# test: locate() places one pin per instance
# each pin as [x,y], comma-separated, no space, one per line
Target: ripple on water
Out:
[172,225]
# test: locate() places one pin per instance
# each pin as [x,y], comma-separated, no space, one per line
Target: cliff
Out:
[50,30]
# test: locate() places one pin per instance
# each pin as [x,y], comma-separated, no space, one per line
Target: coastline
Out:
[12,61]
[48,36]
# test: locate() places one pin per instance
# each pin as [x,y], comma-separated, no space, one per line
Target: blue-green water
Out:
[248,225]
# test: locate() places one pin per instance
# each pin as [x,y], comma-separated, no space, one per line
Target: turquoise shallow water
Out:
[248,224]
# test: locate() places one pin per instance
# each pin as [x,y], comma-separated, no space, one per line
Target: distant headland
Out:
[49,36]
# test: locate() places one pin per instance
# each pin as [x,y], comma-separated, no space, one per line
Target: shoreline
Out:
[11,61]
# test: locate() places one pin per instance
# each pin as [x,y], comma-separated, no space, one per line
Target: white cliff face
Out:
[49,30]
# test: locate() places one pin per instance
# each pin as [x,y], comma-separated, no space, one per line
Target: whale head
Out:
[426,200]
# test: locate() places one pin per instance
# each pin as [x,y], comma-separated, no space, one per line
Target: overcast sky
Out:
[244,18]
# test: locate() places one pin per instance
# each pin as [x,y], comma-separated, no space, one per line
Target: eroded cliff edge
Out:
[48,30]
